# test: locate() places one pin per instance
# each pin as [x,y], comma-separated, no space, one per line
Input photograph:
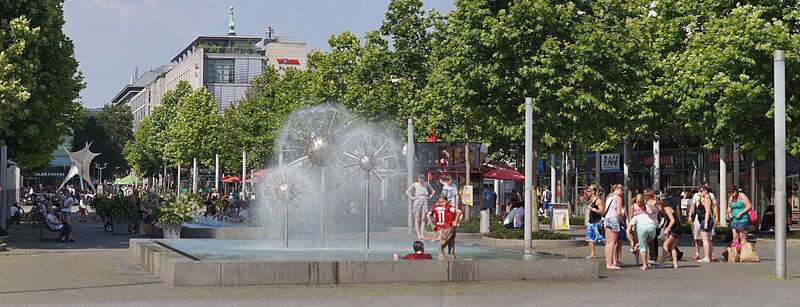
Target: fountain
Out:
[344,176]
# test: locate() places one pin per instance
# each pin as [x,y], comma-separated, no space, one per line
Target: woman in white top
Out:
[612,219]
[645,231]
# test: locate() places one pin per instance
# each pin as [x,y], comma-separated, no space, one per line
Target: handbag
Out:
[748,253]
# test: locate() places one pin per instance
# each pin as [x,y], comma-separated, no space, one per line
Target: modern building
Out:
[143,93]
[224,64]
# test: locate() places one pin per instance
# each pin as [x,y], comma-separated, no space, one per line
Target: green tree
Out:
[253,124]
[34,128]
[723,79]
[147,151]
[109,131]
[195,129]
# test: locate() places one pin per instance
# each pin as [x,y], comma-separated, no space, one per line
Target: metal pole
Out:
[410,167]
[285,224]
[244,173]
[216,174]
[552,178]
[597,168]
[528,172]
[723,171]
[322,207]
[780,165]
[164,181]
[194,175]
[656,165]
[468,209]
[625,170]
[366,205]
[4,209]
[736,164]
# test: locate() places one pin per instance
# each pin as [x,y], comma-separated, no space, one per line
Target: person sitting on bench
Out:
[53,224]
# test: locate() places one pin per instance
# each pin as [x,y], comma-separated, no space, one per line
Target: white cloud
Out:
[127,10]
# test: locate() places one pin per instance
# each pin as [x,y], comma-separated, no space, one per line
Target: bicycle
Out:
[35,216]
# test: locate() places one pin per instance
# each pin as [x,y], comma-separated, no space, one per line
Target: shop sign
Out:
[560,220]
[610,162]
[665,160]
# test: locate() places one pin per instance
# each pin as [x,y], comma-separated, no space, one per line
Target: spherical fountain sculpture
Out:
[310,140]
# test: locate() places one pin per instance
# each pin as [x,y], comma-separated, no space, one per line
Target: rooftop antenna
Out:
[230,24]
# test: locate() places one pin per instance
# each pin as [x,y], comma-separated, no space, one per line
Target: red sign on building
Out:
[287,61]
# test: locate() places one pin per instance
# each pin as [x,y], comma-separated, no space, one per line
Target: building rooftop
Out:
[142,81]
[229,39]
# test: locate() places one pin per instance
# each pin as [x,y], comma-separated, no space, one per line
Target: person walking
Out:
[488,199]
[596,210]
[612,219]
[547,199]
[704,211]
[671,232]
[419,192]
[738,211]
[694,220]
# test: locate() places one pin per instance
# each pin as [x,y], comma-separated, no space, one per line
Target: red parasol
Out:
[230,179]
[504,174]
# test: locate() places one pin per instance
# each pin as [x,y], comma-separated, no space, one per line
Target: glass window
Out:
[218,71]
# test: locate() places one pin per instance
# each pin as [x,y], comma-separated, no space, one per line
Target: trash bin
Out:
[485,221]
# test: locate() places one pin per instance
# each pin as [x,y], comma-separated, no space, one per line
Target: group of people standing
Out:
[445,212]
[648,217]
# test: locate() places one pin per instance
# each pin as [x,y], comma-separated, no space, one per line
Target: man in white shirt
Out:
[14,214]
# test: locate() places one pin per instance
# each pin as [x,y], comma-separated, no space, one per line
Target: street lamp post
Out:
[101,168]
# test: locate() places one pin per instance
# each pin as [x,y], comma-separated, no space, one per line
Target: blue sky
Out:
[112,37]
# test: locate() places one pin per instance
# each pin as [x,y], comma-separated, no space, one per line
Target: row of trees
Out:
[599,72]
[108,131]
[39,81]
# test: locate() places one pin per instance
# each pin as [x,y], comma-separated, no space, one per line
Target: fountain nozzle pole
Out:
[366,200]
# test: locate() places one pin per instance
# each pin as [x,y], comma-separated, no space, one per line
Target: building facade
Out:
[225,65]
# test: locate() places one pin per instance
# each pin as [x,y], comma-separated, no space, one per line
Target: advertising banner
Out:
[560,220]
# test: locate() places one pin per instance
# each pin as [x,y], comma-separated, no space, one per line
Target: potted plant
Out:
[172,212]
[120,210]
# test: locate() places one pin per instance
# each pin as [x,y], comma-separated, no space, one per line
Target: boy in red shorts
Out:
[447,218]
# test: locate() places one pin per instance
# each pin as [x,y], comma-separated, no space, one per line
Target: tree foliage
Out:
[40,59]
[108,131]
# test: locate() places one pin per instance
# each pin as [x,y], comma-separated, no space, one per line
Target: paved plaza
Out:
[96,271]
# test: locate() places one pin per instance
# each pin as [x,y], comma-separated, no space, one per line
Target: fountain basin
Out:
[253,262]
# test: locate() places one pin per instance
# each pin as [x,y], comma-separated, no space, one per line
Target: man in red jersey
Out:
[447,217]
[418,254]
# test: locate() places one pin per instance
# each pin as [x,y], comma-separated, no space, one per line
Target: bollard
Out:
[485,221]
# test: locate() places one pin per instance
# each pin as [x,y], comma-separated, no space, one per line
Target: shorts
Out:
[645,233]
[707,227]
[66,213]
[675,235]
[740,226]
[613,224]
[420,205]
[592,235]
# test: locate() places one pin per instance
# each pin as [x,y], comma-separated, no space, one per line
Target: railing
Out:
[235,49]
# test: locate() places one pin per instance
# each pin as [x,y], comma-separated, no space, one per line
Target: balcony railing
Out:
[234,49]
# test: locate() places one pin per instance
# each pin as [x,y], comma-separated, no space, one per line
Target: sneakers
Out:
[695,256]
[704,260]
[713,258]
[680,256]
